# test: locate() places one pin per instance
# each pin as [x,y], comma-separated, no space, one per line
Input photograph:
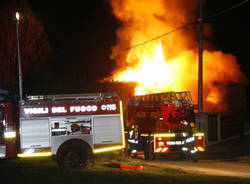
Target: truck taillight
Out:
[161,150]
[200,137]
[199,141]
[161,144]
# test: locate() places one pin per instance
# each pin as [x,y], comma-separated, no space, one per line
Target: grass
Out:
[45,171]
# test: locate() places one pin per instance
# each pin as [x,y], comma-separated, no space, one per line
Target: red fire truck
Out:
[166,124]
[71,127]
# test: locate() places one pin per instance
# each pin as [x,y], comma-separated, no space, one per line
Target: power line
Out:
[181,27]
[165,34]
[226,10]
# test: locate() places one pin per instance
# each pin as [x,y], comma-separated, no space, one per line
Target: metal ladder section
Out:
[166,98]
[85,97]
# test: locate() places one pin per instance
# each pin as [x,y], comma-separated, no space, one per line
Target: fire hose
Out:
[131,167]
[127,167]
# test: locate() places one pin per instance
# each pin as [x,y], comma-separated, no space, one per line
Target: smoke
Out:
[142,20]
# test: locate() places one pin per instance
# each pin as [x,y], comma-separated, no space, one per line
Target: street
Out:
[231,158]
[209,167]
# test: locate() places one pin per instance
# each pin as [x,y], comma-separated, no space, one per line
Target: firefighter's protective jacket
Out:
[133,136]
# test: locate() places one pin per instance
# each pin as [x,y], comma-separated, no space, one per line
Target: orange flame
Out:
[212,98]
[169,64]
[151,72]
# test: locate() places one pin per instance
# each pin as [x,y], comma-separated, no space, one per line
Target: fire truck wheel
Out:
[74,155]
[188,156]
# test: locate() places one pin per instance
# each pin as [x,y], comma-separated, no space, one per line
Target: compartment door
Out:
[107,130]
[35,133]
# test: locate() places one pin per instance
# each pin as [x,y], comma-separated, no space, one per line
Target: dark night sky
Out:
[82,33]
[231,30]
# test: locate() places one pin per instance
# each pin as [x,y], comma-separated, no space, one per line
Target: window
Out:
[71,126]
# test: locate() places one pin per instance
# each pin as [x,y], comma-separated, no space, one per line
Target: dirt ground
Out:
[225,163]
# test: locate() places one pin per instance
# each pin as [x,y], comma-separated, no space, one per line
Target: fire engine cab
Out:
[71,127]
[166,124]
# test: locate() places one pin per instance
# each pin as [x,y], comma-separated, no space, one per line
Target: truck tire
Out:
[74,155]
[188,156]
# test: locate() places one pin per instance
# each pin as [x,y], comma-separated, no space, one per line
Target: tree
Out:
[34,45]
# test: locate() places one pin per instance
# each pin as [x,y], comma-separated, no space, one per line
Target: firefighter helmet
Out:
[192,124]
[134,127]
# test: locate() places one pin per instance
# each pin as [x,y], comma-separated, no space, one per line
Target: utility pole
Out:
[200,79]
[19,60]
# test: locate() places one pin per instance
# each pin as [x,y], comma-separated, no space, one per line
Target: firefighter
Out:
[133,140]
[192,151]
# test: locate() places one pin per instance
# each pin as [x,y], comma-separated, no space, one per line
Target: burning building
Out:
[157,50]
[169,63]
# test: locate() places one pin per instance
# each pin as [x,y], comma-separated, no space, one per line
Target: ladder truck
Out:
[166,124]
[71,127]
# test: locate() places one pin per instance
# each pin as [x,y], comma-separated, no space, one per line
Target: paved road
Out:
[231,158]
[209,167]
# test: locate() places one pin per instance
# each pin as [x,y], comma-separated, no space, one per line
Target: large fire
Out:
[169,63]
[152,72]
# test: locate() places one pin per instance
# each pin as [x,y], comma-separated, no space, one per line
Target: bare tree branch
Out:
[34,44]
